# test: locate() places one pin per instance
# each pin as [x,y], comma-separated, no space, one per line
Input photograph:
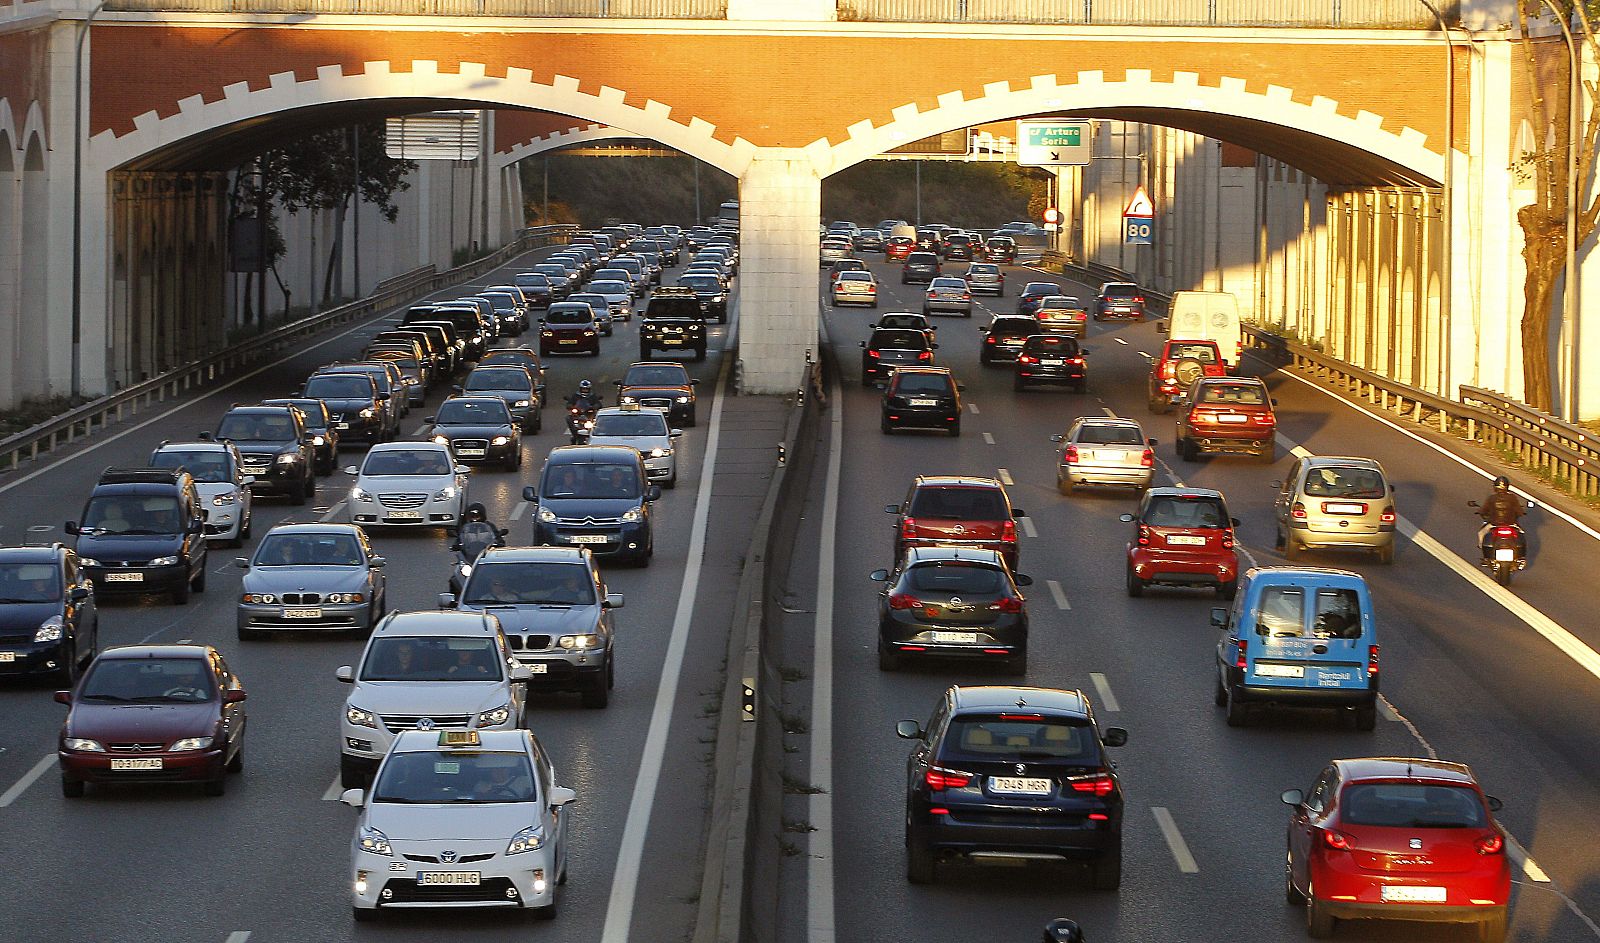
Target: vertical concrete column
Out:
[10,268]
[1486,297]
[780,205]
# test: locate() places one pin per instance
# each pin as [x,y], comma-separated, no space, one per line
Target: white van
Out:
[1208,316]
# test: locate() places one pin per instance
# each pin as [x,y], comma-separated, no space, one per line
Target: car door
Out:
[1287,489]
[518,689]
[233,715]
[1304,818]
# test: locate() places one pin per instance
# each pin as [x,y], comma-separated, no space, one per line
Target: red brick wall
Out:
[22,77]
[513,128]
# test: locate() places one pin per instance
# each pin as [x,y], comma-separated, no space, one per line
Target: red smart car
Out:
[1182,537]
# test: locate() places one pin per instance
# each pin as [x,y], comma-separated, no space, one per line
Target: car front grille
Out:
[398,722]
[402,502]
[459,444]
[434,859]
[408,891]
[301,599]
[656,403]
[587,521]
[136,747]
[528,643]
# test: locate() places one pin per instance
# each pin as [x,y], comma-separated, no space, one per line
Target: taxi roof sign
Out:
[459,738]
[629,407]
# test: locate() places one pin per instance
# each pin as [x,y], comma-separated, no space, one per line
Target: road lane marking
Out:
[819,871]
[630,856]
[973,407]
[1005,477]
[1120,341]
[519,510]
[1175,842]
[334,791]
[988,439]
[28,779]
[1525,861]
[1059,593]
[1386,710]
[332,512]
[238,936]
[1027,527]
[1102,687]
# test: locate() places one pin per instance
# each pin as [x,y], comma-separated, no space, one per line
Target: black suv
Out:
[958,247]
[922,398]
[324,434]
[708,289]
[354,404]
[275,448]
[664,386]
[1007,775]
[597,497]
[1004,336]
[143,531]
[672,323]
[48,622]
[919,267]
[1051,358]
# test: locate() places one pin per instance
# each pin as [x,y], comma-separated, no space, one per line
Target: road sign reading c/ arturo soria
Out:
[1053,143]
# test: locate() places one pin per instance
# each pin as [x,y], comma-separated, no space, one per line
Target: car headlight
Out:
[224,499]
[633,514]
[288,458]
[84,746]
[500,440]
[466,570]
[88,561]
[496,717]
[368,413]
[258,599]
[442,440]
[360,494]
[344,598]
[188,744]
[683,399]
[522,402]
[660,453]
[319,440]
[375,842]
[718,299]
[49,631]
[359,717]
[579,642]
[627,399]
[529,839]
[164,561]
[445,493]
[547,516]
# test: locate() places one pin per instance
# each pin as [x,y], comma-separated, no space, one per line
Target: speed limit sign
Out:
[1052,215]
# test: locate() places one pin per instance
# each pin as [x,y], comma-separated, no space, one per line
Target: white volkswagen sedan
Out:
[460,818]
[644,429]
[411,484]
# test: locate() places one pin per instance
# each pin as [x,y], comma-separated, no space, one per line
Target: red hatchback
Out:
[1397,839]
[898,247]
[153,713]
[1182,537]
[957,512]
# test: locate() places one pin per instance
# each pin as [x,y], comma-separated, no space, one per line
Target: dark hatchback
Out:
[1009,776]
[274,448]
[597,497]
[478,429]
[922,398]
[890,348]
[1051,358]
[353,404]
[48,620]
[999,249]
[958,247]
[919,267]
[1004,336]
[1119,300]
[952,602]
[1033,293]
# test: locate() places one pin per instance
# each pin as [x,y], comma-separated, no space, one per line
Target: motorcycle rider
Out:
[1501,509]
[1062,930]
[582,403]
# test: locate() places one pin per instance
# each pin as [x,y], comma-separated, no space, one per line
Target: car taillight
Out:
[1298,511]
[989,339]
[1169,370]
[925,355]
[1100,785]
[1387,517]
[1144,536]
[1025,358]
[1075,361]
[1264,419]
[1338,841]
[1070,456]
[1137,299]
[1505,532]
[1008,531]
[937,778]
[1008,604]
[932,295]
[1148,459]
[908,528]
[1239,660]
[1491,844]
[873,353]
[966,296]
[1372,660]
[904,601]
[1227,540]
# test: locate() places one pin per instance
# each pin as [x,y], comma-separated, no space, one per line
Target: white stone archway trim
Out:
[33,126]
[555,140]
[424,80]
[1405,147]
[8,132]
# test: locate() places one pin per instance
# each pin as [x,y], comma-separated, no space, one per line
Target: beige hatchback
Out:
[1332,501]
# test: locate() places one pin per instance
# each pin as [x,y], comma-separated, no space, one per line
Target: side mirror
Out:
[617,383]
[1022,579]
[908,730]
[863,345]
[78,593]
[233,697]
[612,601]
[63,697]
[891,509]
[1273,400]
[383,396]
[521,673]
[427,419]
[1219,617]
[378,562]
[530,493]
[1150,442]
[72,527]
[1293,797]
[879,576]
[242,563]
[960,387]
[654,494]
[1276,483]
[462,470]
[694,382]
[354,798]
[247,481]
[934,346]
[1161,327]
[1018,513]
[1470,504]
[1084,351]
[1058,438]
[561,795]
[346,674]
[1495,805]
[501,531]
[197,526]
[674,433]
[351,470]
[447,600]
[1234,521]
[1125,518]
[1114,737]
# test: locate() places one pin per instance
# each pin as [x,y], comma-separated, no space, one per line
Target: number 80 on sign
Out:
[1138,230]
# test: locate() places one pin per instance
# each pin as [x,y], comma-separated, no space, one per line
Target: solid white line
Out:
[987,438]
[1180,848]
[334,791]
[819,870]
[1386,710]
[1059,593]
[1005,477]
[625,879]
[28,779]
[519,510]
[1102,687]
[973,407]
[238,936]
[333,512]
[1027,527]
[1120,341]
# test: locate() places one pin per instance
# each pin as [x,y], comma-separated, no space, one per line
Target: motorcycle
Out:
[580,422]
[472,539]
[1504,550]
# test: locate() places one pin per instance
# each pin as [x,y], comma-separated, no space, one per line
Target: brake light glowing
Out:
[1338,841]
[1239,660]
[925,355]
[874,354]
[1505,532]
[1099,817]
[1027,358]
[1008,532]
[1148,459]
[989,339]
[1298,512]
[1070,456]
[938,778]
[1491,844]
[1009,604]
[1075,361]
[1388,516]
[1137,299]
[1143,537]
[908,528]
[1021,717]
[1227,540]
[1372,661]
[904,601]
[932,295]
[1100,785]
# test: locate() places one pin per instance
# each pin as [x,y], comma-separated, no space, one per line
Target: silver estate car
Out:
[311,577]
[947,294]
[1336,501]
[1104,451]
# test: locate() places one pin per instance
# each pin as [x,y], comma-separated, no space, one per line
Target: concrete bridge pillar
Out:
[780,204]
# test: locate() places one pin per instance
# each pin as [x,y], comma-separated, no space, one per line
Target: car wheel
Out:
[72,788]
[1290,892]
[1017,665]
[1366,717]
[887,659]
[311,483]
[1236,709]
[955,428]
[698,354]
[1269,456]
[1159,406]
[180,594]
[866,379]
[1292,548]
[1227,590]
[1493,930]
[599,693]
[1135,584]
[884,427]
[1277,538]
[297,497]
[199,582]
[920,865]
[644,353]
[215,787]
[548,911]
[236,765]
[363,914]
[1065,485]
[1188,451]
[1108,870]
[351,774]
[1017,385]
[1219,697]
[67,674]
[1386,554]
[1319,923]
[1082,386]
[671,483]
[249,635]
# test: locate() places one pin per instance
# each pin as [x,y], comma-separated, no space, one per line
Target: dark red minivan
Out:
[949,511]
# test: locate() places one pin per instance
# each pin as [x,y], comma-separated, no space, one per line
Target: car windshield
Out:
[1204,353]
[983,270]
[610,287]
[309,550]
[455,776]
[599,303]
[149,681]
[1020,736]
[701,282]
[1344,481]
[1411,805]
[1041,289]
[211,466]
[644,422]
[656,375]
[528,280]
[337,387]
[1122,291]
[407,462]
[914,321]
[573,314]
[1108,434]
[1014,328]
[558,272]
[922,258]
[1051,345]
[951,283]
[959,504]
[1185,512]
[498,380]
[259,427]
[29,582]
[484,413]
[897,339]
[431,658]
[537,584]
[1059,301]
[949,577]
[921,383]
[591,481]
[132,514]
[1233,394]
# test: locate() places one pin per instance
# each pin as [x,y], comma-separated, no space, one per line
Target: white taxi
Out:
[460,818]
[643,428]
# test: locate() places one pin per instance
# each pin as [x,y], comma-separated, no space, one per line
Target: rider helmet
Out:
[1062,930]
[1502,483]
[475,512]
[584,386]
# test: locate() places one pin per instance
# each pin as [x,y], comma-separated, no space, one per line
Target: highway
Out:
[270,859]
[1463,678]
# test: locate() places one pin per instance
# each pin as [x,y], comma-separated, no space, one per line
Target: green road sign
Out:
[1053,143]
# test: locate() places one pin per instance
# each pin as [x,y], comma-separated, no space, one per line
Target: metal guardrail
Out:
[1559,448]
[97,415]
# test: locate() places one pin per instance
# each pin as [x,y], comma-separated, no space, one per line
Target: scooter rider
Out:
[585,398]
[1501,509]
[1062,930]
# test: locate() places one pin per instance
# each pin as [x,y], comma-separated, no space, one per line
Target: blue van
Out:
[1299,637]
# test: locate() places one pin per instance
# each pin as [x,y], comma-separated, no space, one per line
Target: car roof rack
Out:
[141,476]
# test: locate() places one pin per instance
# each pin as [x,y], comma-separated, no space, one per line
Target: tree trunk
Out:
[333,279]
[1543,259]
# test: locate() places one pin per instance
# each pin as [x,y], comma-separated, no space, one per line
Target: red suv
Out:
[1179,364]
[950,511]
[1397,839]
[1182,537]
[1227,416]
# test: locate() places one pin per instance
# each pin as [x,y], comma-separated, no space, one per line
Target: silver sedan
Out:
[1104,451]
[948,294]
[312,577]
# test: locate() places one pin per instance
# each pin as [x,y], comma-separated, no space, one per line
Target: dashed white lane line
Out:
[1120,341]
[334,791]
[1529,867]
[1175,842]
[238,936]
[332,513]
[519,510]
[1027,527]
[973,408]
[988,438]
[28,779]
[1059,593]
[1005,477]
[1102,687]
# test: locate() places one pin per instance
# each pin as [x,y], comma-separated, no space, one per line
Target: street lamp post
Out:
[77,203]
